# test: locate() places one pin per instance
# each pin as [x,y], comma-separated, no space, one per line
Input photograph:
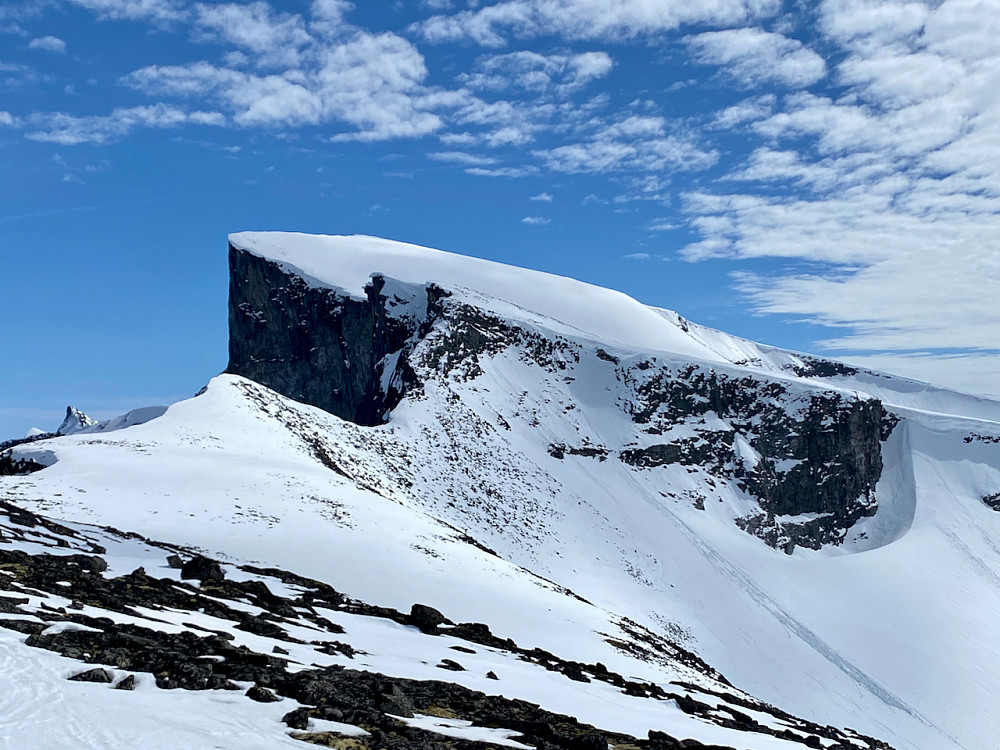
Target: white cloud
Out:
[544,197]
[536,221]
[460,157]
[135,10]
[748,110]
[558,74]
[328,16]
[48,44]
[370,82]
[588,19]
[73,179]
[512,172]
[458,139]
[664,225]
[275,39]
[872,24]
[68,130]
[891,232]
[637,256]
[634,144]
[7,119]
[754,56]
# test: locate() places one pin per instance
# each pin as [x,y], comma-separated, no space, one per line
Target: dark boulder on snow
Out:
[126,683]
[202,569]
[297,718]
[426,618]
[175,561]
[92,675]
[262,694]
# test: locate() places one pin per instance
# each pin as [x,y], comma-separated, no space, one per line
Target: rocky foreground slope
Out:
[624,529]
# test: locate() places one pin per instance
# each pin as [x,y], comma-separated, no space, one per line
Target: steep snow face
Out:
[580,471]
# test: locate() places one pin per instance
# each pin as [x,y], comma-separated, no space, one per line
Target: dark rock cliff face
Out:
[820,458]
[811,458]
[314,345]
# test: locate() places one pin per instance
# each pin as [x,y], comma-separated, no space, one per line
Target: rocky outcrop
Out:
[813,460]
[317,345]
[75,421]
[195,658]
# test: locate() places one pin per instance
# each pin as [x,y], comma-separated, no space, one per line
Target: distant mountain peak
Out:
[75,421]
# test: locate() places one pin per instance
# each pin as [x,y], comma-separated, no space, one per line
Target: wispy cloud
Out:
[69,130]
[895,205]
[634,144]
[461,157]
[754,56]
[48,44]
[135,10]
[536,221]
[523,171]
[491,25]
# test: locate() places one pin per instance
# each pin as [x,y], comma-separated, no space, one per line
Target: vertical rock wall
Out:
[314,345]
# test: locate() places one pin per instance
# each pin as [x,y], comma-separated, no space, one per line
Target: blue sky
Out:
[821,176]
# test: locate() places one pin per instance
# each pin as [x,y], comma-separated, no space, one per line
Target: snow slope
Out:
[459,502]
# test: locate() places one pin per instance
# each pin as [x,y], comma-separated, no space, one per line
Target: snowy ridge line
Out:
[587,312]
[183,630]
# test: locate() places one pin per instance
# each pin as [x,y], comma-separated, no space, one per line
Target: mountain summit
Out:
[559,518]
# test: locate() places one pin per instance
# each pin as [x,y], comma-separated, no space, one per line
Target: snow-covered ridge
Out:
[346,263]
[573,307]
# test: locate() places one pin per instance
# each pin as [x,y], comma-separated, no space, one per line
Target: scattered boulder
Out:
[9,604]
[93,675]
[297,718]
[126,683]
[279,650]
[451,666]
[394,701]
[175,561]
[262,694]
[426,618]
[93,563]
[202,569]
[593,741]
[491,675]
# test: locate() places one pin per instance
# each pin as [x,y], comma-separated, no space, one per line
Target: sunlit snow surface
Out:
[892,634]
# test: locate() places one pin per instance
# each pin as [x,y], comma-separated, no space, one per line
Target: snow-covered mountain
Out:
[657,526]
